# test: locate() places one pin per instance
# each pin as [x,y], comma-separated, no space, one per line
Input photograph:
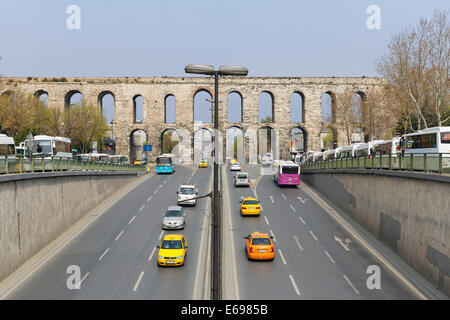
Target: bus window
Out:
[445,137]
[290,170]
[7,149]
[422,141]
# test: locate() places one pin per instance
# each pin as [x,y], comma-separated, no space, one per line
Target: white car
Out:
[241,179]
[235,167]
[187,191]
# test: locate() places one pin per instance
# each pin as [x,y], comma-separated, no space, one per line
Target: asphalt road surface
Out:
[309,263]
[117,253]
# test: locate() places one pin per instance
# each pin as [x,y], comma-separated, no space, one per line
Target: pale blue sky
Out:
[158,38]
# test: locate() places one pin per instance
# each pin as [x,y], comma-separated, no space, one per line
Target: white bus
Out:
[348,151]
[365,149]
[331,154]
[48,147]
[118,159]
[7,147]
[385,148]
[99,157]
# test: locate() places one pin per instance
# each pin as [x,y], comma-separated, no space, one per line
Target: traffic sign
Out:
[147,147]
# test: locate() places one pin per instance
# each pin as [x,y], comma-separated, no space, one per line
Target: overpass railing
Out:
[426,162]
[10,165]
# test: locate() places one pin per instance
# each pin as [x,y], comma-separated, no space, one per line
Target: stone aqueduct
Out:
[155,90]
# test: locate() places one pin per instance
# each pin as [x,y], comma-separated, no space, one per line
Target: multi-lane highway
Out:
[309,262]
[117,253]
[315,256]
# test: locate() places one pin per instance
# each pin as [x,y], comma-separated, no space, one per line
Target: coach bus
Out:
[286,173]
[431,142]
[165,163]
[7,147]
[48,147]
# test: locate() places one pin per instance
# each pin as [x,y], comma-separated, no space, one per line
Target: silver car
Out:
[174,218]
[241,179]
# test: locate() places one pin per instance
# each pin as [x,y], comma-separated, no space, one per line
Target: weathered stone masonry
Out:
[155,90]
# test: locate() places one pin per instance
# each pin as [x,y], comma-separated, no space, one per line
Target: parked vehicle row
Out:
[430,141]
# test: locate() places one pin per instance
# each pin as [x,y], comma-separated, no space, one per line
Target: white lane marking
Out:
[298,243]
[117,238]
[151,255]
[138,281]
[282,257]
[283,196]
[160,186]
[132,220]
[294,284]
[267,221]
[301,200]
[335,215]
[262,210]
[271,199]
[165,181]
[302,220]
[315,238]
[332,260]
[160,236]
[150,198]
[142,208]
[351,284]
[78,286]
[292,207]
[101,257]
[345,246]
[271,233]
[155,191]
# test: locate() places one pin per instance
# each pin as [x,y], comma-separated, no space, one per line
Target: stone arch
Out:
[69,95]
[137,138]
[106,102]
[297,107]
[234,101]
[266,107]
[266,140]
[202,109]
[170,109]
[235,143]
[298,136]
[202,144]
[42,95]
[169,140]
[138,108]
[328,107]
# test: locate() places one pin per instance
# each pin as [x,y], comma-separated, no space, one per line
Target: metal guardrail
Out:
[426,162]
[11,165]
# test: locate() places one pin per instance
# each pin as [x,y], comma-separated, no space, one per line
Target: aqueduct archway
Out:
[155,105]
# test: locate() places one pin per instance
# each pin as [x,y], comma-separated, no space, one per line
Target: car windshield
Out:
[242,176]
[174,213]
[289,170]
[261,241]
[171,244]
[187,191]
[250,202]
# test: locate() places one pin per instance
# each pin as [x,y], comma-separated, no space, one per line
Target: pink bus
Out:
[286,173]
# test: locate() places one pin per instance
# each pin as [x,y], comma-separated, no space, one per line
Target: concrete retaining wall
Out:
[410,212]
[36,208]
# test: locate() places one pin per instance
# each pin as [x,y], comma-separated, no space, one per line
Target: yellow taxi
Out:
[259,246]
[137,162]
[250,206]
[203,164]
[172,250]
[232,161]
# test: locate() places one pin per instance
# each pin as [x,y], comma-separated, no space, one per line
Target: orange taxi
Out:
[259,246]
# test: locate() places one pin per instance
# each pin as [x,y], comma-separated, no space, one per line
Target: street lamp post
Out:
[223,71]
[370,119]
